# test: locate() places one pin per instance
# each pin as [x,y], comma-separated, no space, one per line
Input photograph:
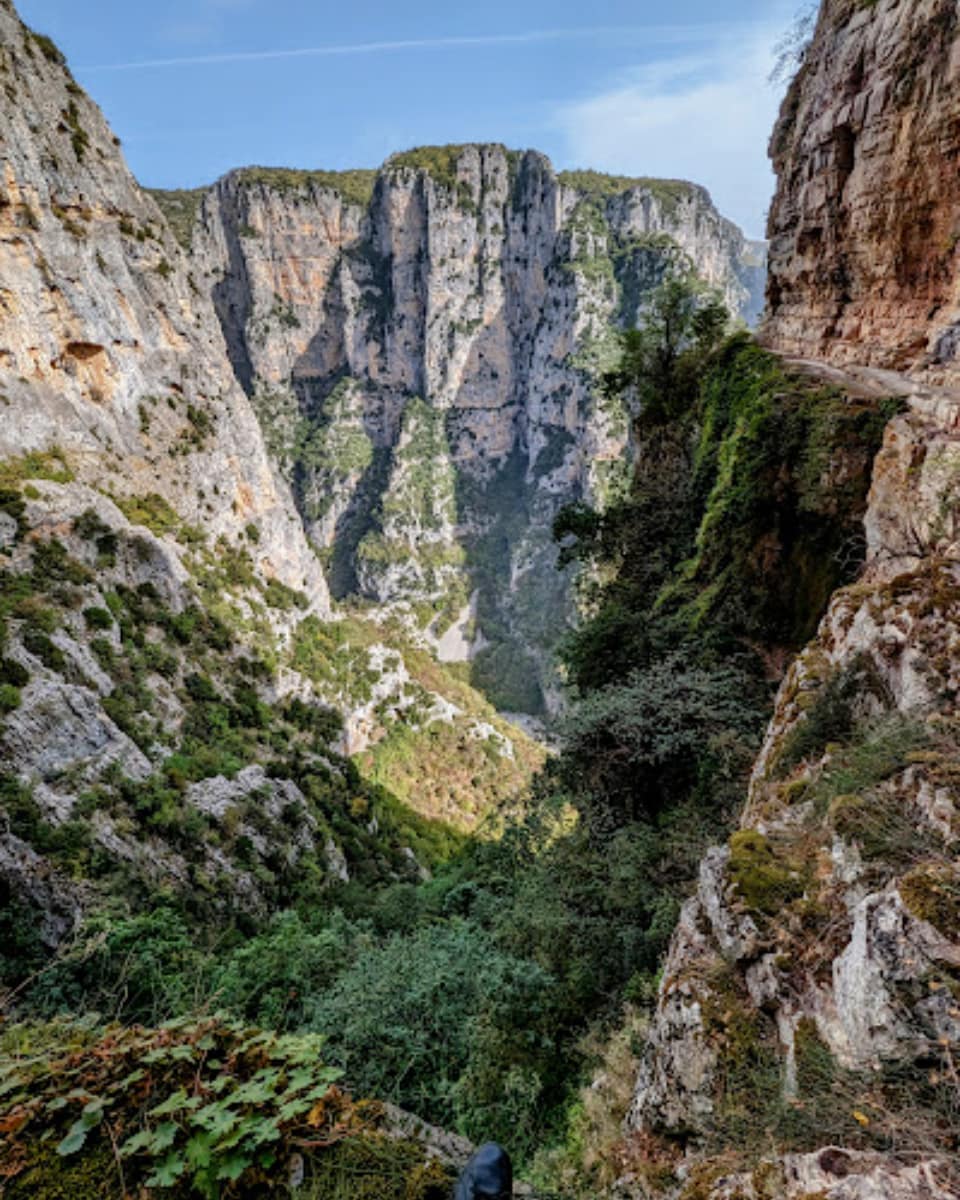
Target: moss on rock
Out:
[763,881]
[932,894]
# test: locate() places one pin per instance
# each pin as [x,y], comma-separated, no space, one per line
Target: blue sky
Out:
[636,88]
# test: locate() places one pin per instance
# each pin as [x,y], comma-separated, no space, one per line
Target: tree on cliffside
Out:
[663,359]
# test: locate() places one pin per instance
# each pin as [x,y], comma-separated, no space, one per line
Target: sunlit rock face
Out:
[863,230]
[423,345]
[108,349]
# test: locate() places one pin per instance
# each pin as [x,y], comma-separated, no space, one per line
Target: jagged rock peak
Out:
[864,229]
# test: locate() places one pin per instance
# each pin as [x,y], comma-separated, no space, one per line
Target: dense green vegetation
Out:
[465,992]
[354,186]
[189,1110]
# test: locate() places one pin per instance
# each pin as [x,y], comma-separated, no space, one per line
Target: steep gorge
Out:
[424,346]
[154,570]
[418,351]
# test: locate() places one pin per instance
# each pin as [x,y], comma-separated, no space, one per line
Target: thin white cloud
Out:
[705,117]
[650,35]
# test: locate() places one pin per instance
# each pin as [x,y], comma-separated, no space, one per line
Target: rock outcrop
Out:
[808,1024]
[108,349]
[814,981]
[446,320]
[864,264]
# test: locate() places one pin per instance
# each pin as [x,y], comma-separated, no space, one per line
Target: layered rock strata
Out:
[865,227]
[812,990]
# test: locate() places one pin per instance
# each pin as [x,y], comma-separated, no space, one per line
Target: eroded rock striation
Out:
[107,347]
[166,629]
[423,346]
[863,232]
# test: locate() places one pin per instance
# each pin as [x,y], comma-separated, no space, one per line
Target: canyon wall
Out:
[808,1021]
[423,345]
[108,350]
[865,227]
[154,567]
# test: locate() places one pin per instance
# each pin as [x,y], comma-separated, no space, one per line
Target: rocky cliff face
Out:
[423,345]
[108,349]
[813,982]
[864,229]
[806,1033]
[154,568]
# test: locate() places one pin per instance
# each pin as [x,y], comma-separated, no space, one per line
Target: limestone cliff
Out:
[107,347]
[864,229]
[162,612]
[482,284]
[806,1032]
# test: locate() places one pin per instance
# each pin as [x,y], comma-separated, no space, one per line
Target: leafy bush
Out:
[146,968]
[405,1021]
[275,978]
[98,618]
[762,880]
[37,643]
[632,749]
[832,717]
[200,1103]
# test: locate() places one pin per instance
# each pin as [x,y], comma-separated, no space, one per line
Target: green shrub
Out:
[408,1019]
[52,563]
[764,882]
[9,698]
[278,595]
[356,186]
[13,673]
[276,977]
[37,464]
[144,968]
[37,643]
[832,718]
[98,618]
[47,47]
[640,745]
[151,511]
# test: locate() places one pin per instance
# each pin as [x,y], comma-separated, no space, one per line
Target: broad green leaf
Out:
[245,1129]
[299,1079]
[217,1119]
[166,1173]
[286,1112]
[164,1136]
[177,1102]
[74,1140]
[139,1142]
[233,1167]
[261,1129]
[199,1150]
[173,1103]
